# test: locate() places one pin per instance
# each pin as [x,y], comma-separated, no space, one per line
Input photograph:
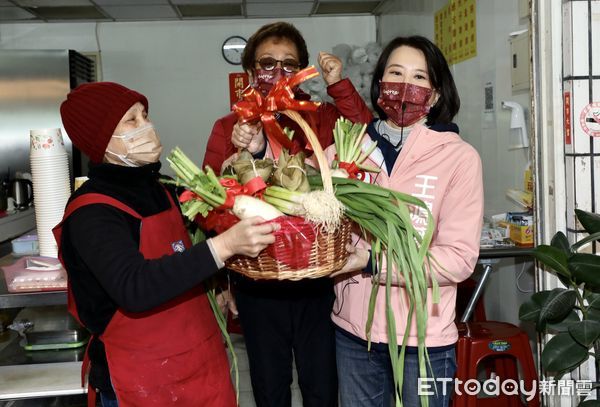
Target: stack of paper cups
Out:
[51,184]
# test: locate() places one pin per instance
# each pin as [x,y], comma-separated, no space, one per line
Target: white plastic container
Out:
[26,245]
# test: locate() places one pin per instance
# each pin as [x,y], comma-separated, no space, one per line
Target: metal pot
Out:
[21,190]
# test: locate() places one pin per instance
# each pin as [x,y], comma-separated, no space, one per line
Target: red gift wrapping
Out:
[293,242]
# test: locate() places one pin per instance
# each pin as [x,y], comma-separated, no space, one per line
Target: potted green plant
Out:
[572,314]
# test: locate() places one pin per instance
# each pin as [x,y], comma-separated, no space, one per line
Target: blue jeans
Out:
[366,378]
[108,402]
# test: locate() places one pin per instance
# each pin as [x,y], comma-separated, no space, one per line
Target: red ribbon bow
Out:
[353,171]
[234,188]
[254,107]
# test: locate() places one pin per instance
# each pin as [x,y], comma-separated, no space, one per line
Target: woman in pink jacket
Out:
[419,153]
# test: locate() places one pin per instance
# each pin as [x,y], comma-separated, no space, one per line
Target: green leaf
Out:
[585,332]
[554,258]
[564,280]
[563,326]
[590,221]
[539,298]
[529,311]
[561,242]
[593,314]
[584,241]
[563,353]
[557,305]
[593,300]
[585,268]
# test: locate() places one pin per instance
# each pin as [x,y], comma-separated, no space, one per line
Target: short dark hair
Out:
[441,79]
[281,30]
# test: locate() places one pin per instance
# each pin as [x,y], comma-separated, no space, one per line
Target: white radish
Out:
[246,207]
[339,173]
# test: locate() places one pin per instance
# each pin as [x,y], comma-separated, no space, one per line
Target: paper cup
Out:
[46,142]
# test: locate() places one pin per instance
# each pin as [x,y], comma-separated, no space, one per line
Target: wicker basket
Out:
[327,255]
[328,250]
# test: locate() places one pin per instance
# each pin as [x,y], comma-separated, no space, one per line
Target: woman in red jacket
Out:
[284,318]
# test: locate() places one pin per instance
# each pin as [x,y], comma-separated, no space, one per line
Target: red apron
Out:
[173,354]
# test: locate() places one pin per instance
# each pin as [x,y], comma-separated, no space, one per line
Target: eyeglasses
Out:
[288,65]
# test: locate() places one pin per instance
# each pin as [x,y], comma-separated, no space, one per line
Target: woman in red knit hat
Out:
[135,281]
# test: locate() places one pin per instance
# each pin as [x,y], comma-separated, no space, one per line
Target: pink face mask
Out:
[404,103]
[265,80]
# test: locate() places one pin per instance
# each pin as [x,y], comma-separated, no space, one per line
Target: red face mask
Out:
[265,80]
[404,103]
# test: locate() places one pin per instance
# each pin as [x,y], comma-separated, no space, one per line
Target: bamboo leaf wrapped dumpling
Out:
[247,168]
[290,172]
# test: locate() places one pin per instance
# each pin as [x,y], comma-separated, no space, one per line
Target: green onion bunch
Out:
[347,137]
[205,184]
[385,217]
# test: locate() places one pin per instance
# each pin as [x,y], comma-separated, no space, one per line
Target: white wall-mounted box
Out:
[524,8]
[520,61]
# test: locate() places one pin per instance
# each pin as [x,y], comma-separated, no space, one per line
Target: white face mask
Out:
[135,148]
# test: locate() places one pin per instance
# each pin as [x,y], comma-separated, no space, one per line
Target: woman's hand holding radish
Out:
[248,136]
[247,237]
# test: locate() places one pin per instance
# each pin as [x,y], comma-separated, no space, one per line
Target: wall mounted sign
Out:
[456,31]
[238,82]
[567,105]
[589,119]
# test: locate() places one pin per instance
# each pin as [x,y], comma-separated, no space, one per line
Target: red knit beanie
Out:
[91,113]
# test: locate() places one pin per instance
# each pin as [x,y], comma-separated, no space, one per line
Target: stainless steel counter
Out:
[35,374]
[41,380]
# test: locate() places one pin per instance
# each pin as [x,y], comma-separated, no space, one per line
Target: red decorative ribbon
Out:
[188,195]
[234,188]
[253,107]
[353,171]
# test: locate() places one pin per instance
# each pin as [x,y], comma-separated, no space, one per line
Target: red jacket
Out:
[348,103]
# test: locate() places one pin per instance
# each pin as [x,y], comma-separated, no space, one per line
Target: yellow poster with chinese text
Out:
[456,30]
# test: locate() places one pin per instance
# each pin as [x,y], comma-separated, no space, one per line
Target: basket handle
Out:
[318,150]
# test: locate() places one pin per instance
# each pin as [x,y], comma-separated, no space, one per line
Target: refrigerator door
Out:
[33,84]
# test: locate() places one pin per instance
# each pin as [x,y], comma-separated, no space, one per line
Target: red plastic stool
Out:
[504,344]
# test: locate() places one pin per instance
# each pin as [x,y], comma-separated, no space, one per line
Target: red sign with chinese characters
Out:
[567,106]
[238,82]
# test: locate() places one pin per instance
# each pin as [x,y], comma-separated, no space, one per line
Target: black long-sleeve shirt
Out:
[100,247]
